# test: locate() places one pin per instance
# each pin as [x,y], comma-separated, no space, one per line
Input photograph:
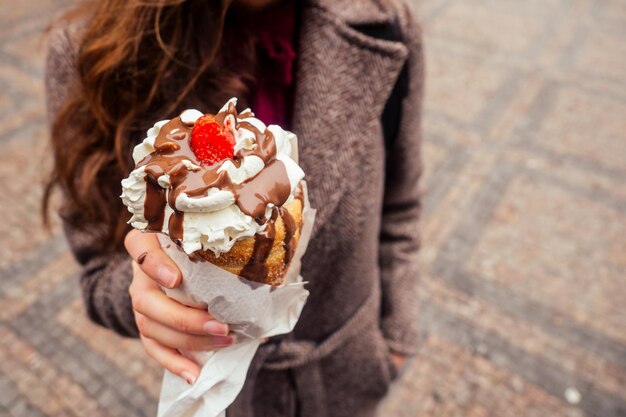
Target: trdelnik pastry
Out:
[224,187]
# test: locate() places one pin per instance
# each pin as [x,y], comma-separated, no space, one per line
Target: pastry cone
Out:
[265,257]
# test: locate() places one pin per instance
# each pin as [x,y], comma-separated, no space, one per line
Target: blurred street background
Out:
[524,260]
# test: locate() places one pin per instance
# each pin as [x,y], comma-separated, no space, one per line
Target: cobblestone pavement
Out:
[523,288]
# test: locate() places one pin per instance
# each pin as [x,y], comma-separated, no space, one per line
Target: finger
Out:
[171,360]
[177,340]
[146,250]
[149,300]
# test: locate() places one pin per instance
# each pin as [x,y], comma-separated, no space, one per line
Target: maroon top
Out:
[272,31]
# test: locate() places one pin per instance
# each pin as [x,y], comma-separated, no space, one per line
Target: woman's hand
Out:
[166,325]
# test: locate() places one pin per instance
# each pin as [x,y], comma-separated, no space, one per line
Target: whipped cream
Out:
[214,220]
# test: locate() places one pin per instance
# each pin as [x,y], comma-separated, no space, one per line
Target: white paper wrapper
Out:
[253,311]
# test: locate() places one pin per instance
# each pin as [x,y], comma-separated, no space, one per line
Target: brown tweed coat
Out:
[362,259]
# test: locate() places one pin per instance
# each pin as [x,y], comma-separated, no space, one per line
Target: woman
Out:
[344,75]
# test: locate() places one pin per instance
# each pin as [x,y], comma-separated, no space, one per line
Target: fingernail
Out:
[166,275]
[142,258]
[215,328]
[223,341]
[188,376]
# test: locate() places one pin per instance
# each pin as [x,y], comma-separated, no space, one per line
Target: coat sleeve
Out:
[399,238]
[105,276]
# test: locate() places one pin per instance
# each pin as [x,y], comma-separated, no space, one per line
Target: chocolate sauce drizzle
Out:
[290,229]
[263,242]
[270,186]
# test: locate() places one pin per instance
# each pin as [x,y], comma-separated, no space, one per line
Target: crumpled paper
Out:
[253,311]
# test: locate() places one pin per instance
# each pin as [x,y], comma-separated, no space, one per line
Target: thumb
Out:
[146,250]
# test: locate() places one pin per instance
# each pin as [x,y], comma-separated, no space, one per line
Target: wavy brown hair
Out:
[138,61]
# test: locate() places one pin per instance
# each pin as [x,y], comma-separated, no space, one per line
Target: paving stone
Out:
[8,392]
[22,408]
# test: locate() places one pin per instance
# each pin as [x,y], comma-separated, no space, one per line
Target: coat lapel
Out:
[343,81]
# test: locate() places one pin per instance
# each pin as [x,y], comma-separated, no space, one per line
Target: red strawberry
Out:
[210,142]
